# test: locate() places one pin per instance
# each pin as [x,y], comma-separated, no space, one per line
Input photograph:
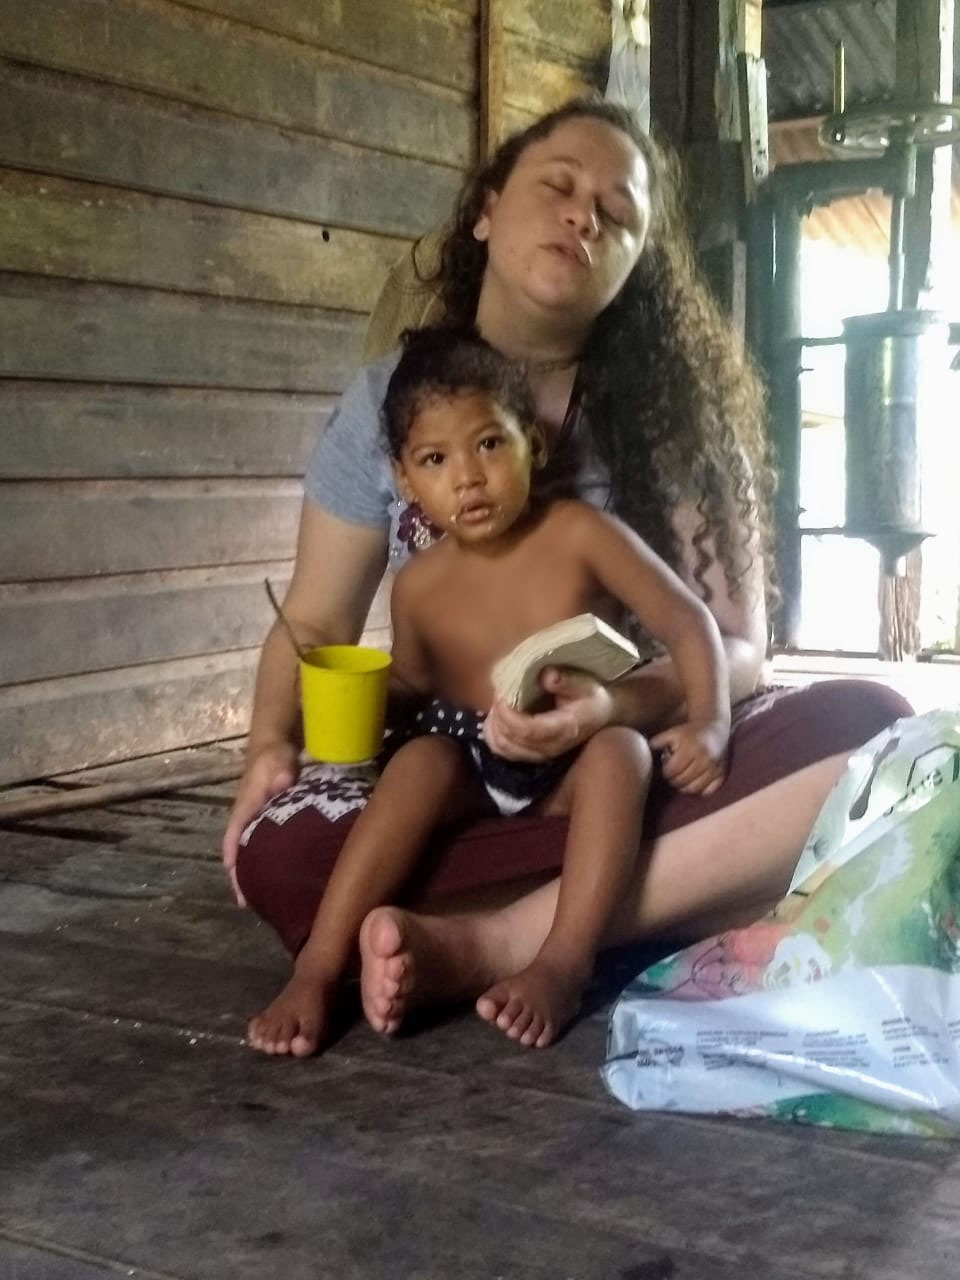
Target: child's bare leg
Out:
[604,793]
[426,783]
[404,954]
[722,871]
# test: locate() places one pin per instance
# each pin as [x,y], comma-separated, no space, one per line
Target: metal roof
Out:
[798,43]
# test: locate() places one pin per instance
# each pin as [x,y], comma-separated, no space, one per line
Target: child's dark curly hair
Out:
[675,407]
[445,361]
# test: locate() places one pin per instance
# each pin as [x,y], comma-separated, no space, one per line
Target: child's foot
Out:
[408,960]
[388,968]
[296,1022]
[535,1005]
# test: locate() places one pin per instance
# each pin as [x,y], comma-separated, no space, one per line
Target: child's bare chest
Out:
[475,615]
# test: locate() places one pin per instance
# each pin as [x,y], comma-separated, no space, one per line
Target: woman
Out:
[567,253]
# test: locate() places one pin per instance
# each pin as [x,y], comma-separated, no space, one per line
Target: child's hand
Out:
[695,755]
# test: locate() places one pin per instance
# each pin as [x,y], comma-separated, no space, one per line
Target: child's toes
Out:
[305,1041]
[509,1013]
[546,1036]
[533,1032]
[520,1023]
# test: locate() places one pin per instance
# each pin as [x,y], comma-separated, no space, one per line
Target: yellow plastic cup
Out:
[343,690]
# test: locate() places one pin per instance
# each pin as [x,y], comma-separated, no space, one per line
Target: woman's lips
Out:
[573,253]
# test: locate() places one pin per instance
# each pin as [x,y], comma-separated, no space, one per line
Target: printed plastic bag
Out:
[842,1007]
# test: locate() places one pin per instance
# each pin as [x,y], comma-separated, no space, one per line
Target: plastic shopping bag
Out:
[842,1007]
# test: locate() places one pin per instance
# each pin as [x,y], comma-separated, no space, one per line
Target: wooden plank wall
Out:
[198,201]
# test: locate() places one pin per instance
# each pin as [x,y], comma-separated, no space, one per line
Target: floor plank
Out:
[140,1134]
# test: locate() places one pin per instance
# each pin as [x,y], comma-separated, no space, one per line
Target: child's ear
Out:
[403,484]
[538,447]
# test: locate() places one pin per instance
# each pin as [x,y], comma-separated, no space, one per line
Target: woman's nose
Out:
[582,216]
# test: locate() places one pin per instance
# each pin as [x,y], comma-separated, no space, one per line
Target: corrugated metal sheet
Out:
[798,44]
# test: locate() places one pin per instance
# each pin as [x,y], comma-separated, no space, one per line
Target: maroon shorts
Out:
[283,869]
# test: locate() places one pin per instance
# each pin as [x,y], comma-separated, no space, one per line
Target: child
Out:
[463,439]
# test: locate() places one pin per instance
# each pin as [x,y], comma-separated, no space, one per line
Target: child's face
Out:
[467,462]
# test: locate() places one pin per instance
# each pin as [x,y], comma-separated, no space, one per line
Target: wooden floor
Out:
[139,1137]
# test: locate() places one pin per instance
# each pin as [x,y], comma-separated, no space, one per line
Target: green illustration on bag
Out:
[842,1007]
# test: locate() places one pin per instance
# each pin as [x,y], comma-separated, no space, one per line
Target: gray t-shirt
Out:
[349,474]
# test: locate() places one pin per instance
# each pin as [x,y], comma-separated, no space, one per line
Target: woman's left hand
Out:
[582,706]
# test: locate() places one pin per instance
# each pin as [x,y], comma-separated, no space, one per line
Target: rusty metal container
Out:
[887,420]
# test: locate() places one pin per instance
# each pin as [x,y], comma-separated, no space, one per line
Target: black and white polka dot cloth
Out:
[513,785]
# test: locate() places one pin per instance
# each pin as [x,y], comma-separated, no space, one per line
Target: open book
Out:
[584,642]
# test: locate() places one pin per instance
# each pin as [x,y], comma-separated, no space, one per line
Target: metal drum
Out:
[886,420]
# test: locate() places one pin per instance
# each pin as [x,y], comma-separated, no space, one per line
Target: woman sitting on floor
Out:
[568,255]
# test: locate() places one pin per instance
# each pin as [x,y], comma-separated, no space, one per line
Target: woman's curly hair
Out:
[675,408]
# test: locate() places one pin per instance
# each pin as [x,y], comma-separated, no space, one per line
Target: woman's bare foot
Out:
[296,1022]
[535,1005]
[409,960]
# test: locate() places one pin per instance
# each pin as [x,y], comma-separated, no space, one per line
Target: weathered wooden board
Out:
[62,125]
[65,628]
[161,828]
[58,227]
[34,1259]
[54,725]
[514,119]
[470,1153]
[429,42]
[490,97]
[164,923]
[535,84]
[68,529]
[579,27]
[192,57]
[68,866]
[75,430]
[103,333]
[157,768]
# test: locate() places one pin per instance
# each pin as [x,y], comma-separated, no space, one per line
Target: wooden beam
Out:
[924,74]
[670,39]
[811,5]
[18,810]
[694,98]
[490,122]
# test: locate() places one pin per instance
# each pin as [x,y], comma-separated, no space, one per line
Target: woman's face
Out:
[570,223]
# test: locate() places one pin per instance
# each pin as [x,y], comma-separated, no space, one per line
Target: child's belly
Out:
[471,641]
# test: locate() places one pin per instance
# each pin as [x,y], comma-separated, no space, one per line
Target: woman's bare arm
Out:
[338,568]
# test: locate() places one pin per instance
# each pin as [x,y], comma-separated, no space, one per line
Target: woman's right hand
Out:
[271,770]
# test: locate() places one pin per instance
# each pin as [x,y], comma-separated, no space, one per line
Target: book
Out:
[585,642]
